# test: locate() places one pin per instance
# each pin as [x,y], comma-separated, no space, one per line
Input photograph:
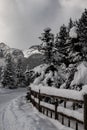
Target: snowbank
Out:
[80,76]
[84,90]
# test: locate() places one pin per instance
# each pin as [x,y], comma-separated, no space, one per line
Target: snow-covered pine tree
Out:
[70,24]
[71,72]
[60,43]
[27,76]
[74,48]
[50,51]
[1,73]
[63,34]
[74,55]
[1,53]
[20,74]
[9,73]
[47,39]
[82,33]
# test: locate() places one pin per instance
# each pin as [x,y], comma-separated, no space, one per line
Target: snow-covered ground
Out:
[6,96]
[17,114]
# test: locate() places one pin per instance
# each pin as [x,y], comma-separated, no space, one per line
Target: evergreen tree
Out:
[61,39]
[1,53]
[82,33]
[1,73]
[27,76]
[70,25]
[63,34]
[74,49]
[61,45]
[57,41]
[20,74]
[48,45]
[9,73]
[71,71]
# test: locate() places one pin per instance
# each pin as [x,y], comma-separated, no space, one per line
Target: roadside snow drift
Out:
[80,76]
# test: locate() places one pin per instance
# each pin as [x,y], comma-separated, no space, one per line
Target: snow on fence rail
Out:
[62,93]
[38,94]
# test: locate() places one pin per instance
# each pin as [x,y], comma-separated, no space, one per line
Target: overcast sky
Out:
[22,21]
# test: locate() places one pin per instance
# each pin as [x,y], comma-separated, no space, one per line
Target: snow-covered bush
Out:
[84,90]
[69,74]
[80,77]
[34,75]
[76,77]
[47,75]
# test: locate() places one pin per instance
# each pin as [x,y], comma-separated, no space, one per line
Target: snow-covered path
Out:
[24,117]
[6,96]
[16,114]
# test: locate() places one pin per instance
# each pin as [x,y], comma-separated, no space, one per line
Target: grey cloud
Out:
[22,21]
[48,13]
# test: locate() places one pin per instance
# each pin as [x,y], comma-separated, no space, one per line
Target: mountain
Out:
[5,50]
[31,57]
[32,50]
[34,60]
[34,56]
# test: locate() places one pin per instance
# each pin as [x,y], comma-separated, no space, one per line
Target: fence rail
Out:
[54,110]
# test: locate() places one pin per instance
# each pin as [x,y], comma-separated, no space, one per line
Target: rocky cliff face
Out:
[31,57]
[5,50]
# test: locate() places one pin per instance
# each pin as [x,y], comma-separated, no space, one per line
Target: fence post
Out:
[34,99]
[28,96]
[56,105]
[39,99]
[64,104]
[85,111]
[74,106]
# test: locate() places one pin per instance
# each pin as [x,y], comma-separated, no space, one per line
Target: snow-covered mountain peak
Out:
[5,50]
[32,50]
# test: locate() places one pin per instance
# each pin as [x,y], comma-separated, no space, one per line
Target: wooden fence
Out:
[52,110]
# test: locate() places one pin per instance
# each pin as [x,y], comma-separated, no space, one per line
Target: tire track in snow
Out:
[3,115]
[19,115]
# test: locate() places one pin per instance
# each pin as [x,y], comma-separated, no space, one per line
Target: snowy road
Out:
[6,96]
[16,114]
